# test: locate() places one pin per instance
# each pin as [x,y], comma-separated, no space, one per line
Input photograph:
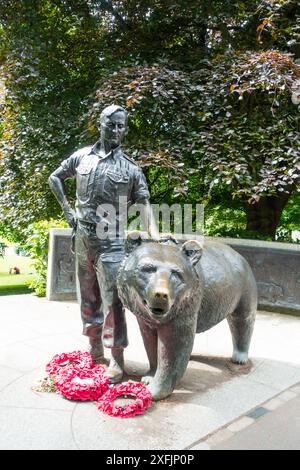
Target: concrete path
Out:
[213,395]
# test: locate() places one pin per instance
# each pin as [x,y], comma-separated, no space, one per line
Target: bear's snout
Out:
[159,298]
[162,295]
[160,301]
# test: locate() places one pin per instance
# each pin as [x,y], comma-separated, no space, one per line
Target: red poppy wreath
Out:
[129,389]
[82,384]
[81,360]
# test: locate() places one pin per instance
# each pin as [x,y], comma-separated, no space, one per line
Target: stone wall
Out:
[276,268]
[61,280]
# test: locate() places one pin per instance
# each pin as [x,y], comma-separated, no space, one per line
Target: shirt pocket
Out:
[83,179]
[116,184]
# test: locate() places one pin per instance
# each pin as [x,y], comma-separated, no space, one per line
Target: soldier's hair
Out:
[112,109]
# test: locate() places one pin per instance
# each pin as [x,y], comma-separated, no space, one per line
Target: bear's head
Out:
[158,279]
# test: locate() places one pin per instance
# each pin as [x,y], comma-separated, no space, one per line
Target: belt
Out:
[91,228]
[85,224]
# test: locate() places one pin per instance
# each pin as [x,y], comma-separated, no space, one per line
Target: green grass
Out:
[11,284]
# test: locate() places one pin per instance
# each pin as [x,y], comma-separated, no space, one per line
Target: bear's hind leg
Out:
[241,323]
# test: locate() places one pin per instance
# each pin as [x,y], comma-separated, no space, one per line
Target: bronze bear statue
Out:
[178,290]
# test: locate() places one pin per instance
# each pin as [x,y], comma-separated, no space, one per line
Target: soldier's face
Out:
[113,129]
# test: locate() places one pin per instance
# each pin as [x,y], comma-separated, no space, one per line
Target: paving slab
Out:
[232,399]
[165,426]
[21,357]
[212,394]
[240,424]
[273,404]
[268,372]
[216,438]
[57,343]
[25,429]
[279,430]
[15,331]
[19,393]
[8,375]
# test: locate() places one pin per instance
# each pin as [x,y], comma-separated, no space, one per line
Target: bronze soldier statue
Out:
[104,175]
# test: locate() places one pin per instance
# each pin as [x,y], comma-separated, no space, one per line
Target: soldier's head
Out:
[113,125]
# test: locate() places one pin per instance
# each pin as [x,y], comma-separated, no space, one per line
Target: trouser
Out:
[97,265]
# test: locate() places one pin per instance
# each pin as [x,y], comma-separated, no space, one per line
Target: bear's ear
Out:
[193,250]
[133,240]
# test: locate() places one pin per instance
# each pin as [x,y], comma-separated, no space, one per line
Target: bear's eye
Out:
[148,268]
[178,274]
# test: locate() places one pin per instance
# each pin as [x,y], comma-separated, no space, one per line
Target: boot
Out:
[115,370]
[96,350]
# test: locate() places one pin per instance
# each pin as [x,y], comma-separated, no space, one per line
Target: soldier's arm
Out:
[148,216]
[141,196]
[56,183]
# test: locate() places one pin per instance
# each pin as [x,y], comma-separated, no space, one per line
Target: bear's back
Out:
[225,273]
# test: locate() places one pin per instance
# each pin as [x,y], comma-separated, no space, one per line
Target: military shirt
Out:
[102,180]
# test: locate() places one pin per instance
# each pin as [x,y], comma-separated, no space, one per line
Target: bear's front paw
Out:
[147,378]
[158,392]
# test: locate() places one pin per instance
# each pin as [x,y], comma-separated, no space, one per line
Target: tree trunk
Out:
[264,215]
